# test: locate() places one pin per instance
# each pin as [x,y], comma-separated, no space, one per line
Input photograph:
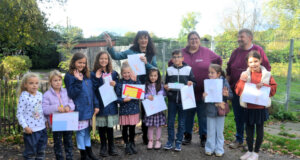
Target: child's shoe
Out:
[150,144]
[178,147]
[132,147]
[157,144]
[168,146]
[208,153]
[254,156]
[246,155]
[219,154]
[128,149]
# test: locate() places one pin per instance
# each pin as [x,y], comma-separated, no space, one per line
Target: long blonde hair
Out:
[24,81]
[52,74]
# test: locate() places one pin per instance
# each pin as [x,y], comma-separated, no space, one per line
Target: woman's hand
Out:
[144,59]
[78,75]
[99,73]
[108,40]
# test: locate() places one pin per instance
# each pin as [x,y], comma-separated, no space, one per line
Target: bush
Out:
[15,65]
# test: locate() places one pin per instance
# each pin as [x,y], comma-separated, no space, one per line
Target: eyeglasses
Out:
[174,57]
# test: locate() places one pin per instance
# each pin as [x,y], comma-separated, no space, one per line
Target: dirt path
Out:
[190,152]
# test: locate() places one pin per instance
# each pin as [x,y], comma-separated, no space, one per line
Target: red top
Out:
[255,78]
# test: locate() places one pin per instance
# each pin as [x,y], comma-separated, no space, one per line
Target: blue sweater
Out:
[81,92]
[112,108]
[131,107]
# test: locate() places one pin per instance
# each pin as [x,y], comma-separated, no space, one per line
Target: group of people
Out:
[190,66]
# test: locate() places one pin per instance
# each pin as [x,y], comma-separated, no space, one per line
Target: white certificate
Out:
[107,94]
[157,105]
[65,121]
[213,88]
[256,96]
[175,86]
[136,64]
[188,97]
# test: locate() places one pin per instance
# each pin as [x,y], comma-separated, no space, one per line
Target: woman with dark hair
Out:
[199,58]
[142,44]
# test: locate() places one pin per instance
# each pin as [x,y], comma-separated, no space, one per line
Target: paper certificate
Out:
[65,121]
[188,97]
[256,96]
[157,105]
[135,91]
[136,64]
[176,86]
[107,93]
[214,89]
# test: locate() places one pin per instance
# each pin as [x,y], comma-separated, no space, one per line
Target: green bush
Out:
[15,65]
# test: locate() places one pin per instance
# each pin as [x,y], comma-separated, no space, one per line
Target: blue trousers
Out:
[239,115]
[83,138]
[173,109]
[35,145]
[190,117]
[215,137]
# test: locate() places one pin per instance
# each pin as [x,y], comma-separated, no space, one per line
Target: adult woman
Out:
[199,58]
[142,44]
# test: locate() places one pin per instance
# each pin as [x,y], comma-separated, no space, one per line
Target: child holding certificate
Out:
[255,114]
[129,109]
[108,116]
[56,100]
[154,87]
[215,121]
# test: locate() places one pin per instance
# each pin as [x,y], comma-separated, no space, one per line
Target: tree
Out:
[188,24]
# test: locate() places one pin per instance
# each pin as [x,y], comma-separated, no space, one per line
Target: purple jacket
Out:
[237,63]
[200,61]
[152,91]
[51,101]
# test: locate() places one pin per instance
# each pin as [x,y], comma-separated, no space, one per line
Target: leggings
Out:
[125,136]
[250,136]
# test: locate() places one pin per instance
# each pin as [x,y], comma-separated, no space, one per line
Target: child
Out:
[215,123]
[154,87]
[129,109]
[179,72]
[56,100]
[254,114]
[31,117]
[108,115]
[80,89]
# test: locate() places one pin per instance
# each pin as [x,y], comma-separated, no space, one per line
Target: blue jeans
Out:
[83,138]
[190,117]
[215,137]
[239,114]
[35,145]
[173,108]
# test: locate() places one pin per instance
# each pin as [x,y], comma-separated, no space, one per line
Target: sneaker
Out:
[168,146]
[235,145]
[208,153]
[219,154]
[150,144]
[177,147]
[254,156]
[157,144]
[246,156]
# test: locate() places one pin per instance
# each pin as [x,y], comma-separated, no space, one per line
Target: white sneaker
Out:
[254,156]
[246,156]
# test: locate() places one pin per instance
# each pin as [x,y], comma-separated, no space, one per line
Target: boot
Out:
[132,147]
[203,140]
[83,155]
[128,149]
[187,139]
[111,147]
[103,150]
[90,153]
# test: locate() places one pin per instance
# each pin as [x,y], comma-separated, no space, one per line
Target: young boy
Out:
[178,72]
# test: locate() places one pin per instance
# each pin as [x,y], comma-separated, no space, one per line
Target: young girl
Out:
[215,123]
[108,115]
[56,100]
[80,89]
[154,87]
[31,117]
[129,109]
[255,114]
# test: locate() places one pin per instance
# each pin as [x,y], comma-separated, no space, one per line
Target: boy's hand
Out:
[28,130]
[126,99]
[112,83]
[166,87]
[244,76]
[150,98]
[259,85]
[225,92]
[189,83]
[61,109]
[96,111]
[204,94]
[67,109]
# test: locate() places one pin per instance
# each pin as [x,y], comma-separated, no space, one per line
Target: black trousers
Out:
[144,127]
[250,136]
[68,144]
[125,136]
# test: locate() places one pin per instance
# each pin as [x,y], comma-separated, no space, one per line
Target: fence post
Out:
[289,76]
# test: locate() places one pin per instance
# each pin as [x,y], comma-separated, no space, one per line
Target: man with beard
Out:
[235,66]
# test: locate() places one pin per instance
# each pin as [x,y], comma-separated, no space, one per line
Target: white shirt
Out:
[30,112]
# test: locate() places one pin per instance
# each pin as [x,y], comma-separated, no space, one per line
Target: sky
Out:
[162,17]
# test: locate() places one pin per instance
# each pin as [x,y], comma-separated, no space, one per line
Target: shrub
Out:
[15,65]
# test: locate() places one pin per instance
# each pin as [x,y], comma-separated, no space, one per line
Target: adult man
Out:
[235,66]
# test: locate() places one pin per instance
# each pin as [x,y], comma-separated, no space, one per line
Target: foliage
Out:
[15,65]
[283,115]
[188,24]
[226,43]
